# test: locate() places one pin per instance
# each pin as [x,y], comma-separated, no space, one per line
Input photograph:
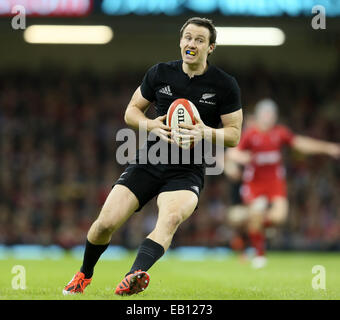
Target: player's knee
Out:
[278,219]
[173,220]
[278,213]
[255,221]
[105,226]
[237,216]
[255,216]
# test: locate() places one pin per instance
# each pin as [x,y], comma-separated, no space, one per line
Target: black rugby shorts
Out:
[146,181]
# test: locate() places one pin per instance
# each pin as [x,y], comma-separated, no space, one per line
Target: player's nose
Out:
[192,44]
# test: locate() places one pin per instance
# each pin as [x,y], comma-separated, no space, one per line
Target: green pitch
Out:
[287,276]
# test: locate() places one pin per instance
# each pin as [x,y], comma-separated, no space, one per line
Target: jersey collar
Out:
[196,76]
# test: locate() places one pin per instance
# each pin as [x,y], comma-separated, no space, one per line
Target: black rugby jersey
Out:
[214,92]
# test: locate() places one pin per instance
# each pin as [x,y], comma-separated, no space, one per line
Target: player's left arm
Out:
[231,115]
[310,145]
[228,136]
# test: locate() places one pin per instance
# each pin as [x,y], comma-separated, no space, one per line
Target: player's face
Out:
[266,119]
[194,44]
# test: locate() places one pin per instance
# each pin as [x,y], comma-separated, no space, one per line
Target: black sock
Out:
[148,253]
[91,256]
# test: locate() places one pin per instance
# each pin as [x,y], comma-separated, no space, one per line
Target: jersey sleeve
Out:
[287,136]
[244,143]
[148,84]
[231,100]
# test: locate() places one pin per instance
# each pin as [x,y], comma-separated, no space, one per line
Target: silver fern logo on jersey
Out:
[207,96]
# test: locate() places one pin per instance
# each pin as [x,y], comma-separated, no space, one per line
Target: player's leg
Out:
[111,217]
[257,212]
[120,204]
[237,212]
[278,212]
[274,215]
[236,219]
[252,196]
[118,207]
[174,208]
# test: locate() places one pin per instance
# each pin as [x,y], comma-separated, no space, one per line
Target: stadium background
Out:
[62,105]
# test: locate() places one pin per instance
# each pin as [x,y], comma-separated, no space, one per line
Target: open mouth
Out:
[190,53]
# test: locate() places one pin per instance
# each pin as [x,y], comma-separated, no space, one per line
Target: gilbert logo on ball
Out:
[182,111]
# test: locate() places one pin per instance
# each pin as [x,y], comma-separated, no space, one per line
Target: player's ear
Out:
[212,47]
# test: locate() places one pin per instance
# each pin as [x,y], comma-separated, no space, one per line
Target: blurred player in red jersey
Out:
[263,189]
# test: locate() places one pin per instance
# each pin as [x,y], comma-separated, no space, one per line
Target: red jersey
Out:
[265,147]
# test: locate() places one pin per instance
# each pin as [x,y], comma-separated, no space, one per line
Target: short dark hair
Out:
[203,22]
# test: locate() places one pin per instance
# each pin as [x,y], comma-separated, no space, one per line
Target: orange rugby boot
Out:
[77,284]
[133,283]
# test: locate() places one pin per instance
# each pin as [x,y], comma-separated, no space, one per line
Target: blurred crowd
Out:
[57,159]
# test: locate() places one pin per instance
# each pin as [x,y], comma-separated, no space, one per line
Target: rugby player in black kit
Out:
[216,95]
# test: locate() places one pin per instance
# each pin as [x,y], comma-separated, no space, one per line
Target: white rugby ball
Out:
[181,111]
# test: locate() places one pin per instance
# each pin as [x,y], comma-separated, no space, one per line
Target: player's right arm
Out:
[241,157]
[135,117]
[308,145]
[232,169]
[241,154]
